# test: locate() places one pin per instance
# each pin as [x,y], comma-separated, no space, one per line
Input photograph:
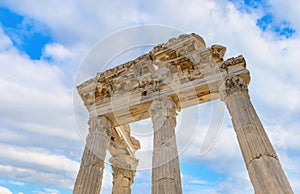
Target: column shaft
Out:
[122,180]
[165,163]
[265,171]
[89,178]
[123,163]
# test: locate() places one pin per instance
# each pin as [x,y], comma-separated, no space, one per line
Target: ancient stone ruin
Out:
[180,73]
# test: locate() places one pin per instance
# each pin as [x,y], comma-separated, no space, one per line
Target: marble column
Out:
[123,163]
[265,171]
[123,175]
[165,163]
[89,178]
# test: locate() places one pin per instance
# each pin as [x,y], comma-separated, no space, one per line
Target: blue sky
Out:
[42,45]
[25,33]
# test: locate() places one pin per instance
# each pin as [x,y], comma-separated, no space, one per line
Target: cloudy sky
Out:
[42,48]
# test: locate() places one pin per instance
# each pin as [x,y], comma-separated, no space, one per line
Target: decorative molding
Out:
[234,61]
[217,52]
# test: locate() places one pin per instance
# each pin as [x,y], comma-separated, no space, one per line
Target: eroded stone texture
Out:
[264,169]
[89,178]
[180,73]
[123,161]
[122,180]
[182,68]
[165,163]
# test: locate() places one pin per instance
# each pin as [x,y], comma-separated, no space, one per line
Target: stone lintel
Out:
[126,109]
[183,69]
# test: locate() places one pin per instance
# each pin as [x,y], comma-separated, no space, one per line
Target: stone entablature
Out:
[182,68]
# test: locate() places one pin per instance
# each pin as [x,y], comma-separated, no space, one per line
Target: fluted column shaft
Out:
[89,178]
[265,171]
[165,163]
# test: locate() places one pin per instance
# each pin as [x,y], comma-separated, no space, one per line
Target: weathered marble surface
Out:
[165,163]
[89,178]
[180,73]
[123,161]
[183,68]
[261,160]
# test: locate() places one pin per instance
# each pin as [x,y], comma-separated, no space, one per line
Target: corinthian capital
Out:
[163,108]
[100,125]
[232,85]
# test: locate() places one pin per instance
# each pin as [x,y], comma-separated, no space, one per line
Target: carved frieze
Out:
[144,73]
[233,62]
[174,63]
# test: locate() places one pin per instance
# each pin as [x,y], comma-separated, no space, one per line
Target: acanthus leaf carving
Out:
[232,85]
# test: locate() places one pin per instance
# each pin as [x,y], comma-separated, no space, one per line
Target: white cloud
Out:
[284,138]
[30,164]
[4,190]
[5,42]
[36,176]
[142,182]
[287,10]
[85,21]
[36,111]
[38,158]
[47,191]
[237,184]
[56,52]
[31,86]
[18,183]
[34,97]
